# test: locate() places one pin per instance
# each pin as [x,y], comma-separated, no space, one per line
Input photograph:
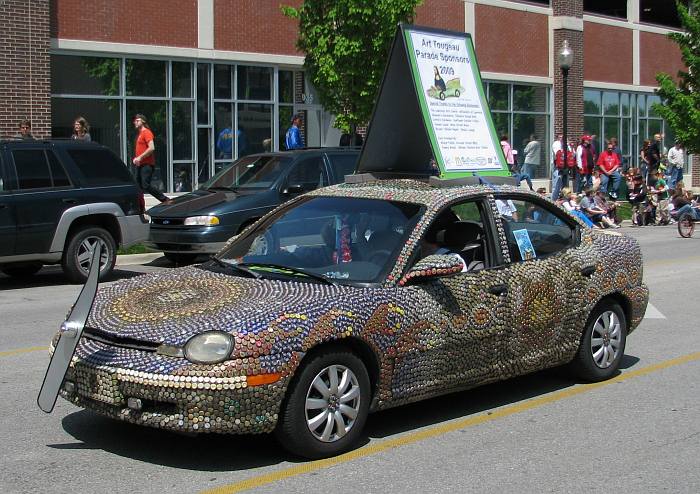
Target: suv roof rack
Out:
[473,180]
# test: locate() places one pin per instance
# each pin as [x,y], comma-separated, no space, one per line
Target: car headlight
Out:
[211,347]
[202,220]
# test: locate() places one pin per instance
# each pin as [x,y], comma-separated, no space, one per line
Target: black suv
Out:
[202,221]
[58,199]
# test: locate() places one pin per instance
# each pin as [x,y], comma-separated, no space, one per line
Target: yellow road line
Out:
[19,351]
[431,432]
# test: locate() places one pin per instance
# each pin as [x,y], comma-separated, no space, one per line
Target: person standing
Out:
[557,173]
[532,156]
[144,157]
[585,161]
[662,195]
[675,163]
[512,166]
[653,156]
[293,138]
[609,165]
[81,130]
[25,130]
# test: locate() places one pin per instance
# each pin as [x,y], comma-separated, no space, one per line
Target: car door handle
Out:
[498,289]
[588,271]
[69,201]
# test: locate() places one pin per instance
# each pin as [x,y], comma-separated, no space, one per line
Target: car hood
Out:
[197,202]
[172,307]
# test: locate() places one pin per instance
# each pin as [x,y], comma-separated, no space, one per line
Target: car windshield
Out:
[337,238]
[250,172]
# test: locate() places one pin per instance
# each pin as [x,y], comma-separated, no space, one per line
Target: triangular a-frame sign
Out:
[432,106]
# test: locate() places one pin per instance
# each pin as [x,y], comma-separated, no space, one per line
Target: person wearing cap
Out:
[144,159]
[675,164]
[294,139]
[585,161]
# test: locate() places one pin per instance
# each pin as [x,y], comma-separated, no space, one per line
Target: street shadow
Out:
[239,452]
[53,275]
[628,361]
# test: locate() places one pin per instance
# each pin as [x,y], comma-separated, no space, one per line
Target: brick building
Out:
[221,78]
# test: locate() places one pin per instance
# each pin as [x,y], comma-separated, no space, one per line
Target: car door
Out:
[41,197]
[306,174]
[463,317]
[546,271]
[341,164]
[8,224]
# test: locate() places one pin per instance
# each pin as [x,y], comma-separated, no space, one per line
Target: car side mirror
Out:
[293,189]
[435,266]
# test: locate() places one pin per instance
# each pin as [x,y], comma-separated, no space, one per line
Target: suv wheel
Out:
[78,254]
[21,270]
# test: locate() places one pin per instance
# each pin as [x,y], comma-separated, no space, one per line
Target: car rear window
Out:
[100,167]
[343,164]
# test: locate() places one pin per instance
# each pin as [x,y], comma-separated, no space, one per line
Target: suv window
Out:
[309,173]
[533,230]
[32,169]
[100,167]
[342,164]
[58,173]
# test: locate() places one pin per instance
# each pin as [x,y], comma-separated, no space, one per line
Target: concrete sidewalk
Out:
[130,259]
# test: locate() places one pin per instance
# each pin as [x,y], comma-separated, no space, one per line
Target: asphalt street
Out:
[639,432]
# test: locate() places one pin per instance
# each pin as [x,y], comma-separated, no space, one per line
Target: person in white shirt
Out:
[675,163]
[507,209]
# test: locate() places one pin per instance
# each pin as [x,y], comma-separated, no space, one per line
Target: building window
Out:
[629,117]
[661,12]
[522,113]
[609,8]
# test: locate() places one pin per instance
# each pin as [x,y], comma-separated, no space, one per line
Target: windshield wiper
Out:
[291,270]
[235,267]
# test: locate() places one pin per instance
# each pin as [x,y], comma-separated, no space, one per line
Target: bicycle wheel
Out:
[686,226]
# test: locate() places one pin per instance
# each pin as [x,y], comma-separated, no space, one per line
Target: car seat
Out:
[466,239]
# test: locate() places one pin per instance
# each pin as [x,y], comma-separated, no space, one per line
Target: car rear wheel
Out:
[602,344]
[326,407]
[180,259]
[77,257]
[21,270]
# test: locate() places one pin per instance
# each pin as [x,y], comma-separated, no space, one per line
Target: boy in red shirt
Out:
[609,166]
[144,159]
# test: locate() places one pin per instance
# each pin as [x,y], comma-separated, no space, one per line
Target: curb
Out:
[129,259]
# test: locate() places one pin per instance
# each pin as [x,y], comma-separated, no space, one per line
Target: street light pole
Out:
[566,58]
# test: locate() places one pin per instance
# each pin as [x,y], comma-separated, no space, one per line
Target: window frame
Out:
[17,183]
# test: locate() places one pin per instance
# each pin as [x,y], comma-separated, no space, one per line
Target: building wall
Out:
[657,53]
[256,26]
[24,66]
[501,45]
[608,53]
[442,14]
[171,23]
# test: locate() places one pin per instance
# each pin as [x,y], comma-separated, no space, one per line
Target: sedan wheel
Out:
[602,343]
[326,406]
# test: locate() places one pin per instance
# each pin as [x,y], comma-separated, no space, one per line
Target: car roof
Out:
[434,193]
[51,142]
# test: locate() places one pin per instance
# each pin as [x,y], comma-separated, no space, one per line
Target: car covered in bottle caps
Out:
[355,298]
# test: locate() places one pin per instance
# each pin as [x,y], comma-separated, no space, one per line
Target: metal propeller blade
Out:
[70,331]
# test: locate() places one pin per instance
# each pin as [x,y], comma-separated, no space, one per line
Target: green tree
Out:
[681,100]
[347,44]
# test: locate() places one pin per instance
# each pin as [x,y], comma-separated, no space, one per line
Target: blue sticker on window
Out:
[527,251]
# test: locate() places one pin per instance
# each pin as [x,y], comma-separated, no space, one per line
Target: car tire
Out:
[338,417]
[78,254]
[180,259]
[602,343]
[21,270]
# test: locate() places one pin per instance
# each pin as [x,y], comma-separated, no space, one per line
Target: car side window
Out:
[32,169]
[58,173]
[309,173]
[343,164]
[533,230]
[100,167]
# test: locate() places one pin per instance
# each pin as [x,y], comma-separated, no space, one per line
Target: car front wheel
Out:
[77,257]
[602,344]
[327,406]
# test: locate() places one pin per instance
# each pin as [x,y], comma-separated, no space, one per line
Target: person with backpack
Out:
[585,161]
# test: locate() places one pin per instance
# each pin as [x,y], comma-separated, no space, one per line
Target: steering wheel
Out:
[379,257]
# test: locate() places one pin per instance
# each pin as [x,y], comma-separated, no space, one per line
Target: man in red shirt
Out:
[609,166]
[144,159]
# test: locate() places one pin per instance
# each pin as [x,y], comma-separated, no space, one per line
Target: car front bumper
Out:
[173,393]
[198,240]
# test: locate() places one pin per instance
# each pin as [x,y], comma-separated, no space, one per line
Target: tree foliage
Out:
[347,44]
[681,100]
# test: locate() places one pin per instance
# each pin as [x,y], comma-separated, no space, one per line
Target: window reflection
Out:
[101,114]
[254,128]
[84,75]
[254,83]
[145,77]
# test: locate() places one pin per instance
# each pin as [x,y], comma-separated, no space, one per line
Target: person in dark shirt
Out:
[653,156]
